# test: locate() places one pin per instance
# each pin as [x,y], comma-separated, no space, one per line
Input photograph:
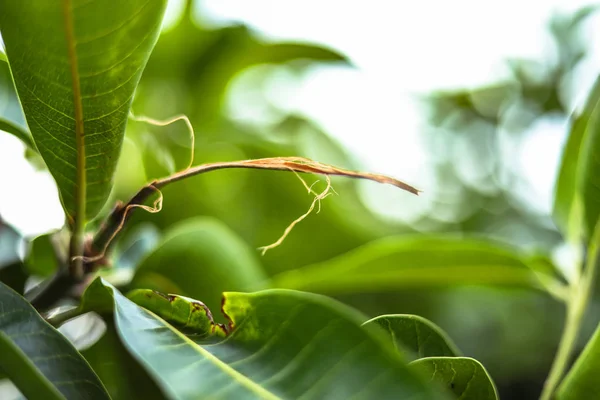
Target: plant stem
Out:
[118,216]
[580,294]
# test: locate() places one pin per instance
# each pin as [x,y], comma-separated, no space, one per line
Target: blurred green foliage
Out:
[202,241]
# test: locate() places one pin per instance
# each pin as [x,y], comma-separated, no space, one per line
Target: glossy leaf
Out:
[200,258]
[284,344]
[409,262]
[577,192]
[37,358]
[463,376]
[416,337]
[18,131]
[81,84]
[582,380]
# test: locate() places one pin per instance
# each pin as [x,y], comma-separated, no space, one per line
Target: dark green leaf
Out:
[10,241]
[80,83]
[37,358]
[284,344]
[201,258]
[465,377]
[409,262]
[13,275]
[577,192]
[18,131]
[122,375]
[416,337]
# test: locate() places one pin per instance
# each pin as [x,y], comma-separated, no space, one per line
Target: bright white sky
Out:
[400,48]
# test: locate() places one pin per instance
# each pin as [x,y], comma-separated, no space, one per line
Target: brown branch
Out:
[117,218]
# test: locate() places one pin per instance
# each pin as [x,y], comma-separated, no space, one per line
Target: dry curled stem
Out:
[116,220]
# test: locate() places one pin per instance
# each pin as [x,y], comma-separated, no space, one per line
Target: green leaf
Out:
[408,262]
[188,315]
[18,131]
[41,259]
[284,344]
[38,359]
[207,59]
[463,376]
[10,241]
[201,258]
[122,375]
[582,380]
[581,383]
[3,57]
[577,192]
[76,89]
[416,337]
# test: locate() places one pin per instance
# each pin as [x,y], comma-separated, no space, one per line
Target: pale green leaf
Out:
[283,345]
[76,64]
[38,359]
[411,262]
[577,191]
[416,337]
[581,383]
[463,376]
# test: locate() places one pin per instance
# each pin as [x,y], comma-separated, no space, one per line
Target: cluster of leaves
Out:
[76,94]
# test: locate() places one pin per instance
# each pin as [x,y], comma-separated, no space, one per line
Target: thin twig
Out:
[118,217]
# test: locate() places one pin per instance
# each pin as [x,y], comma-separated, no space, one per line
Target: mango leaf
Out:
[582,380]
[18,131]
[77,92]
[188,315]
[41,259]
[38,359]
[408,262]
[463,376]
[283,344]
[577,191]
[200,258]
[416,337]
[122,375]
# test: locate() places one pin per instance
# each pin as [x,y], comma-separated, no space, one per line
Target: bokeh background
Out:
[469,101]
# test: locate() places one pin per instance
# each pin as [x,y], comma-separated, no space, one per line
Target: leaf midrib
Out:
[80,195]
